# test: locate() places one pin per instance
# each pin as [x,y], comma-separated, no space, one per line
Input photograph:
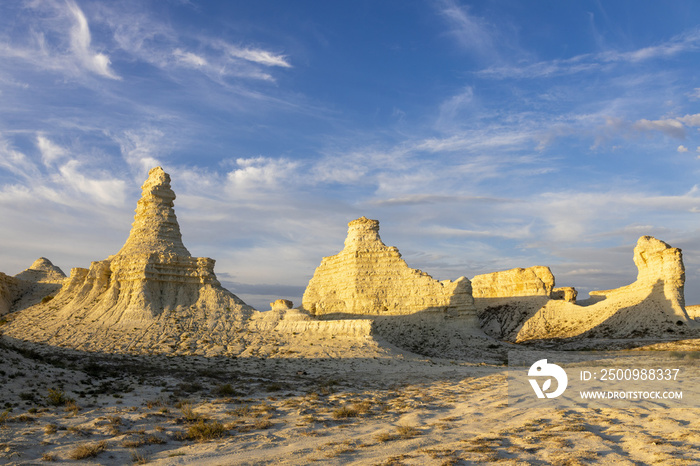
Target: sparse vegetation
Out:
[204,430]
[226,390]
[88,450]
[57,397]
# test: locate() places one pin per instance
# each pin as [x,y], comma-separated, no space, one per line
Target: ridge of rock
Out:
[652,306]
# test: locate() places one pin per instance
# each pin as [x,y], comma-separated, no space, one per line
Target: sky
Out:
[483,135]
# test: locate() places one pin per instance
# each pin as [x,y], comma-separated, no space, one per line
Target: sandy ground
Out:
[395,408]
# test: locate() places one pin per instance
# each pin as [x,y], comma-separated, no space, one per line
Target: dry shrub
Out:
[88,450]
[203,431]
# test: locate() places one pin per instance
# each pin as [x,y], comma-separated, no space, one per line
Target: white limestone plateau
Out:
[652,306]
[369,278]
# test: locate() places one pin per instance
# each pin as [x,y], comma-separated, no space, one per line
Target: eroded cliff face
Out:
[369,278]
[150,289]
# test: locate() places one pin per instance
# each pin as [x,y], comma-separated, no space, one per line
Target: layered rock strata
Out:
[652,306]
[151,286]
[532,281]
[369,278]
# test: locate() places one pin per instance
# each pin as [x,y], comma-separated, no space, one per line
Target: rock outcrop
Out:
[41,280]
[652,306]
[532,281]
[369,278]
[152,285]
[10,289]
[42,271]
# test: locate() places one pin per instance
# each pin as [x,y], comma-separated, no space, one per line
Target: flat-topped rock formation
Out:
[532,281]
[652,306]
[369,278]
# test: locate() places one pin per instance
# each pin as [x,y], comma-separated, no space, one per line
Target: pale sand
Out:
[402,409]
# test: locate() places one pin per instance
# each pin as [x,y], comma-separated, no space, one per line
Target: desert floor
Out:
[395,408]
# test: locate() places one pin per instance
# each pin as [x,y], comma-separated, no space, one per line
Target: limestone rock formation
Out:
[40,280]
[369,278]
[652,306]
[151,285]
[42,271]
[533,281]
[565,293]
[281,305]
[10,288]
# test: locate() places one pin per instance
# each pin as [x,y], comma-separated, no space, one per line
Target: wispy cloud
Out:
[472,32]
[674,127]
[80,44]
[588,62]
[60,40]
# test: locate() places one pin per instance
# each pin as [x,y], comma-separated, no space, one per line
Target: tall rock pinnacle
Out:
[153,289]
[155,228]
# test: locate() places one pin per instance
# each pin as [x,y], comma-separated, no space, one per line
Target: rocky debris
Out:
[652,306]
[369,278]
[532,281]
[148,294]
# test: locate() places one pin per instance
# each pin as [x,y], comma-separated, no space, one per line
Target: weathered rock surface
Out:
[150,290]
[532,281]
[565,293]
[652,306]
[10,288]
[281,304]
[40,280]
[369,278]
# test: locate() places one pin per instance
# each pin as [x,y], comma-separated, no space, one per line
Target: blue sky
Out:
[483,135]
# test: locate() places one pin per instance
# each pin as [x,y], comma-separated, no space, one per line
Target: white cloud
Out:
[50,152]
[80,40]
[681,149]
[141,149]
[670,127]
[471,32]
[596,61]
[259,56]
[59,40]
[260,173]
[189,59]
[107,191]
[17,162]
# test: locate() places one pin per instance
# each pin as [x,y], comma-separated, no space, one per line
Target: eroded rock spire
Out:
[155,228]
